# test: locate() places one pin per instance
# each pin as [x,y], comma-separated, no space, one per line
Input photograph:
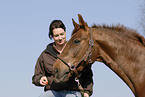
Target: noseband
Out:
[87,56]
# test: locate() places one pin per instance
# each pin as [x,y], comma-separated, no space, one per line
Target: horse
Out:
[120,48]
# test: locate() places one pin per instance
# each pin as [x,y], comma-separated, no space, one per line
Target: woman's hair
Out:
[55,24]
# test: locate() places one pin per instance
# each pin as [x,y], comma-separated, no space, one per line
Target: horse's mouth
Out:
[64,78]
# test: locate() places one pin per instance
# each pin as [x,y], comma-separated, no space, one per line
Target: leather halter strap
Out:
[87,56]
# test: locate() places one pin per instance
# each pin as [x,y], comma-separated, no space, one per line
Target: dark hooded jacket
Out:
[44,67]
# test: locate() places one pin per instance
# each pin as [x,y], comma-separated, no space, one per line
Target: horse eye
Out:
[76,41]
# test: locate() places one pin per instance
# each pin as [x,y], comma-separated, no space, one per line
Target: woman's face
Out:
[59,36]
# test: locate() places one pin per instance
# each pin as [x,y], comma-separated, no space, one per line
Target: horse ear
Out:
[76,25]
[82,22]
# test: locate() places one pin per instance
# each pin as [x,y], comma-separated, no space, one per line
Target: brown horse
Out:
[119,48]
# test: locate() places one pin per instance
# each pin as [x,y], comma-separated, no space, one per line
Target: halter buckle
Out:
[91,43]
[71,66]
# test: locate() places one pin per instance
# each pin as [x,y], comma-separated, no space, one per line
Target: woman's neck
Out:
[59,48]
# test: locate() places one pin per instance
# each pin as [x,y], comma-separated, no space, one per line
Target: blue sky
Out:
[24,35]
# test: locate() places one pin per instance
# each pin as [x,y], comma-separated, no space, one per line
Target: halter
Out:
[87,56]
[73,67]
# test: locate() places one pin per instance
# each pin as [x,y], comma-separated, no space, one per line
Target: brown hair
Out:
[55,24]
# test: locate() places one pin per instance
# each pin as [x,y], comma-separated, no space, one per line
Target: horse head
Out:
[77,52]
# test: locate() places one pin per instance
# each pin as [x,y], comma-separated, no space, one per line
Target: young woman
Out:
[43,75]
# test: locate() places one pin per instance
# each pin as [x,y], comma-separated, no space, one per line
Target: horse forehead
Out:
[80,31]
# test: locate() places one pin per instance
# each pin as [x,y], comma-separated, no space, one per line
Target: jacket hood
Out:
[51,50]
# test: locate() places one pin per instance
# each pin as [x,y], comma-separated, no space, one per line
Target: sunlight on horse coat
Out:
[119,48]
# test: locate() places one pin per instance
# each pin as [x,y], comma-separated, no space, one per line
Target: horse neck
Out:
[109,52]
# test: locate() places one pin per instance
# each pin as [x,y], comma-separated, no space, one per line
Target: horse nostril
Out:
[55,71]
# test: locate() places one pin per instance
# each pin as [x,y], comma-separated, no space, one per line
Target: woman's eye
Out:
[56,35]
[62,34]
[76,41]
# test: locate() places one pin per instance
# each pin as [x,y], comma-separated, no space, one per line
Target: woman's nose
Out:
[59,37]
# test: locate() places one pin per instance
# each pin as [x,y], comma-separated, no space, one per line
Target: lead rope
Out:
[80,86]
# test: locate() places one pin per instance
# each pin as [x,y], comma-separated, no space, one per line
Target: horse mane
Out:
[122,29]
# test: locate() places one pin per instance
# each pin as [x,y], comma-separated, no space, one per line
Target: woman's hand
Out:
[43,81]
[86,95]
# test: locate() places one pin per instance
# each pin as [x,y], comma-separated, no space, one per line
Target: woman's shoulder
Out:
[50,50]
[50,44]
[49,47]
